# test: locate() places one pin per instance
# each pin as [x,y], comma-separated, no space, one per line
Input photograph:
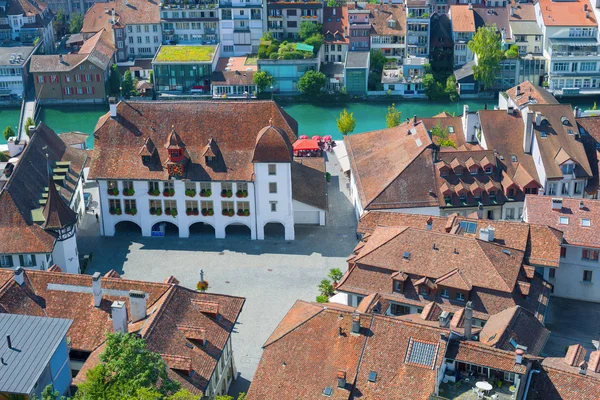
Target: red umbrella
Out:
[327,138]
[303,137]
[316,137]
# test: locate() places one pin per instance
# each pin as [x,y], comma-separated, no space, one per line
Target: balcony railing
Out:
[241,29]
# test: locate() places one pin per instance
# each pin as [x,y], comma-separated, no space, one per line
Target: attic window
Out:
[406,255]
[564,220]
[513,158]
[450,129]
[372,376]
[209,160]
[564,121]
[327,391]
[468,227]
[585,222]
[543,134]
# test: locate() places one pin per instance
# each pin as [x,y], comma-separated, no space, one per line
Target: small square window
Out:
[445,293]
[460,296]
[272,187]
[272,169]
[273,206]
[564,220]
[552,273]
[585,222]
[513,158]
[563,252]
[587,276]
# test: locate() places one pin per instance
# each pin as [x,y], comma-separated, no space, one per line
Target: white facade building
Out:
[241,25]
[219,181]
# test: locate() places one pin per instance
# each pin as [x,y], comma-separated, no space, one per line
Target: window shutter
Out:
[66,78]
[92,90]
[83,90]
[44,77]
[97,77]
[10,261]
[21,260]
[65,90]
[33,259]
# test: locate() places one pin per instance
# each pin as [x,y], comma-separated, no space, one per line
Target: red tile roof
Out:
[118,141]
[138,12]
[96,18]
[169,307]
[463,18]
[335,27]
[530,94]
[557,380]
[572,13]
[479,354]
[387,19]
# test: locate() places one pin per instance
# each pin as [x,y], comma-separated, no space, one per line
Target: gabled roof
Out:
[530,94]
[393,168]
[272,145]
[462,17]
[96,18]
[515,325]
[559,380]
[62,295]
[117,141]
[480,354]
[387,19]
[57,213]
[138,12]
[309,182]
[335,27]
[571,13]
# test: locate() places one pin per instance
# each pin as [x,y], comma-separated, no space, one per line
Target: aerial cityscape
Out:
[299,199]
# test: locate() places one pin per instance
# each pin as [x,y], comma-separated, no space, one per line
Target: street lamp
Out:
[121,91]
[271,92]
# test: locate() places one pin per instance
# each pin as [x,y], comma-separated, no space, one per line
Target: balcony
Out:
[241,29]
[573,48]
[189,5]
[231,4]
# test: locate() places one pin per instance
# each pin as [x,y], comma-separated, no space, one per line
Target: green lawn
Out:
[251,59]
[186,53]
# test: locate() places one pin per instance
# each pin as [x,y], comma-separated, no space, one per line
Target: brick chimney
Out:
[356,324]
[519,356]
[119,316]
[19,276]
[341,379]
[97,289]
[468,320]
[137,305]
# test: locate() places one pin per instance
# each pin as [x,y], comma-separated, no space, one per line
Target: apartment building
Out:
[42,209]
[194,22]
[285,17]
[418,14]
[335,34]
[360,28]
[14,71]
[524,29]
[388,23]
[241,25]
[139,29]
[75,77]
[190,177]
[25,21]
[462,20]
[199,352]
[577,219]
[570,44]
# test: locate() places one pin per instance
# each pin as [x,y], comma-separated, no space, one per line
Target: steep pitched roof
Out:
[138,11]
[480,354]
[462,17]
[272,145]
[57,213]
[117,141]
[530,94]
[558,380]
[309,183]
[97,18]
[393,168]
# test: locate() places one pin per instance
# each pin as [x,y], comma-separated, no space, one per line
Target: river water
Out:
[312,119]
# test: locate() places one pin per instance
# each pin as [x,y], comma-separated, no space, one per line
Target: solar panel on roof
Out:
[422,353]
[468,227]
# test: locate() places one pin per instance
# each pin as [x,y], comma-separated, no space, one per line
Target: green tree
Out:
[267,37]
[325,288]
[29,122]
[451,91]
[393,116]
[262,79]
[333,3]
[316,41]
[241,396]
[335,274]
[308,29]
[433,89]
[512,52]
[441,134]
[127,84]
[50,394]
[76,23]
[8,132]
[378,60]
[127,369]
[114,80]
[486,45]
[151,77]
[312,83]
[346,122]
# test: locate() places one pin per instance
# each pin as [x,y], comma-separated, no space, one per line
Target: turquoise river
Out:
[312,119]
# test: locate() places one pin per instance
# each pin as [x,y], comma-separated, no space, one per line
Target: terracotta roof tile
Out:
[463,19]
[566,13]
[138,12]
[335,27]
[529,93]
[309,182]
[557,380]
[96,18]
[387,19]
[480,354]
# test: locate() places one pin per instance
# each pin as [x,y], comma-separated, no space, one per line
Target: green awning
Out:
[304,47]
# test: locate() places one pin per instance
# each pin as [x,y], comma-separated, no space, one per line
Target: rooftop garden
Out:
[185,53]
[271,48]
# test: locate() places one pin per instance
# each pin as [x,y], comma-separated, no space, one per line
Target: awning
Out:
[305,144]
[574,42]
[340,152]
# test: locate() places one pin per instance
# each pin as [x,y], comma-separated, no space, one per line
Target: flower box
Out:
[153,192]
[195,211]
[158,211]
[241,193]
[205,193]
[131,211]
[113,192]
[118,211]
[128,192]
[188,211]
[207,212]
[228,213]
[167,211]
[202,286]
[243,213]
[173,212]
[152,211]
[111,210]
[190,192]
[226,193]
[169,192]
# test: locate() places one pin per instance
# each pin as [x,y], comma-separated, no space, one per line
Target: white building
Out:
[241,25]
[190,23]
[14,71]
[418,17]
[174,169]
[579,270]
[39,223]
[463,29]
[138,28]
[26,21]
[570,44]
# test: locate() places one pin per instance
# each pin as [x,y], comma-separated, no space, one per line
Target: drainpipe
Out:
[536,371]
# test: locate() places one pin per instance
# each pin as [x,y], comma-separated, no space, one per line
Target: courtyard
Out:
[271,274]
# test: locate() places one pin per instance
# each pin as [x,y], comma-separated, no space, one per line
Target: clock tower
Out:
[177,154]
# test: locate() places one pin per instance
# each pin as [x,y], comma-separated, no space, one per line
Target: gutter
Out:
[536,371]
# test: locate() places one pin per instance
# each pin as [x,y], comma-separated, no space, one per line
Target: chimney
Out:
[414,119]
[577,112]
[519,356]
[341,379]
[487,234]
[356,324]
[119,316]
[444,319]
[112,104]
[31,130]
[137,305]
[581,205]
[556,204]
[480,211]
[60,59]
[19,276]
[8,342]
[510,110]
[97,289]
[468,320]
[512,11]
[518,86]
[470,6]
[465,117]
[583,368]
[528,134]
[538,118]
[585,7]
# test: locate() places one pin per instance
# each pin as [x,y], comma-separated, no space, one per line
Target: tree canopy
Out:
[8,132]
[378,60]
[346,122]
[486,45]
[308,29]
[393,116]
[262,79]
[127,84]
[312,83]
[442,135]
[76,23]
[114,80]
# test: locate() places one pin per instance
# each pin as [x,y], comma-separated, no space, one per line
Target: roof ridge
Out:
[480,243]
[360,256]
[161,308]
[322,310]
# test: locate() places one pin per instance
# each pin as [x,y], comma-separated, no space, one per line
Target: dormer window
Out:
[423,291]
[492,194]
[463,197]
[209,160]
[175,152]
[460,296]
[444,171]
[567,169]
[458,170]
[398,286]
[511,192]
[488,169]
[473,170]
[445,293]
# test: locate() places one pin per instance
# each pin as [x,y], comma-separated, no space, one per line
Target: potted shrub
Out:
[223,193]
[195,211]
[240,213]
[166,192]
[231,213]
[335,274]
[203,193]
[201,286]
[167,211]
[152,210]
[188,211]
[127,211]
[208,193]
[211,212]
[153,192]
[133,211]
[128,192]
[244,193]
[204,212]
[190,192]
[118,211]
[158,211]
[246,213]
[111,210]
[238,193]
[174,212]
[229,193]
[113,192]
[226,212]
